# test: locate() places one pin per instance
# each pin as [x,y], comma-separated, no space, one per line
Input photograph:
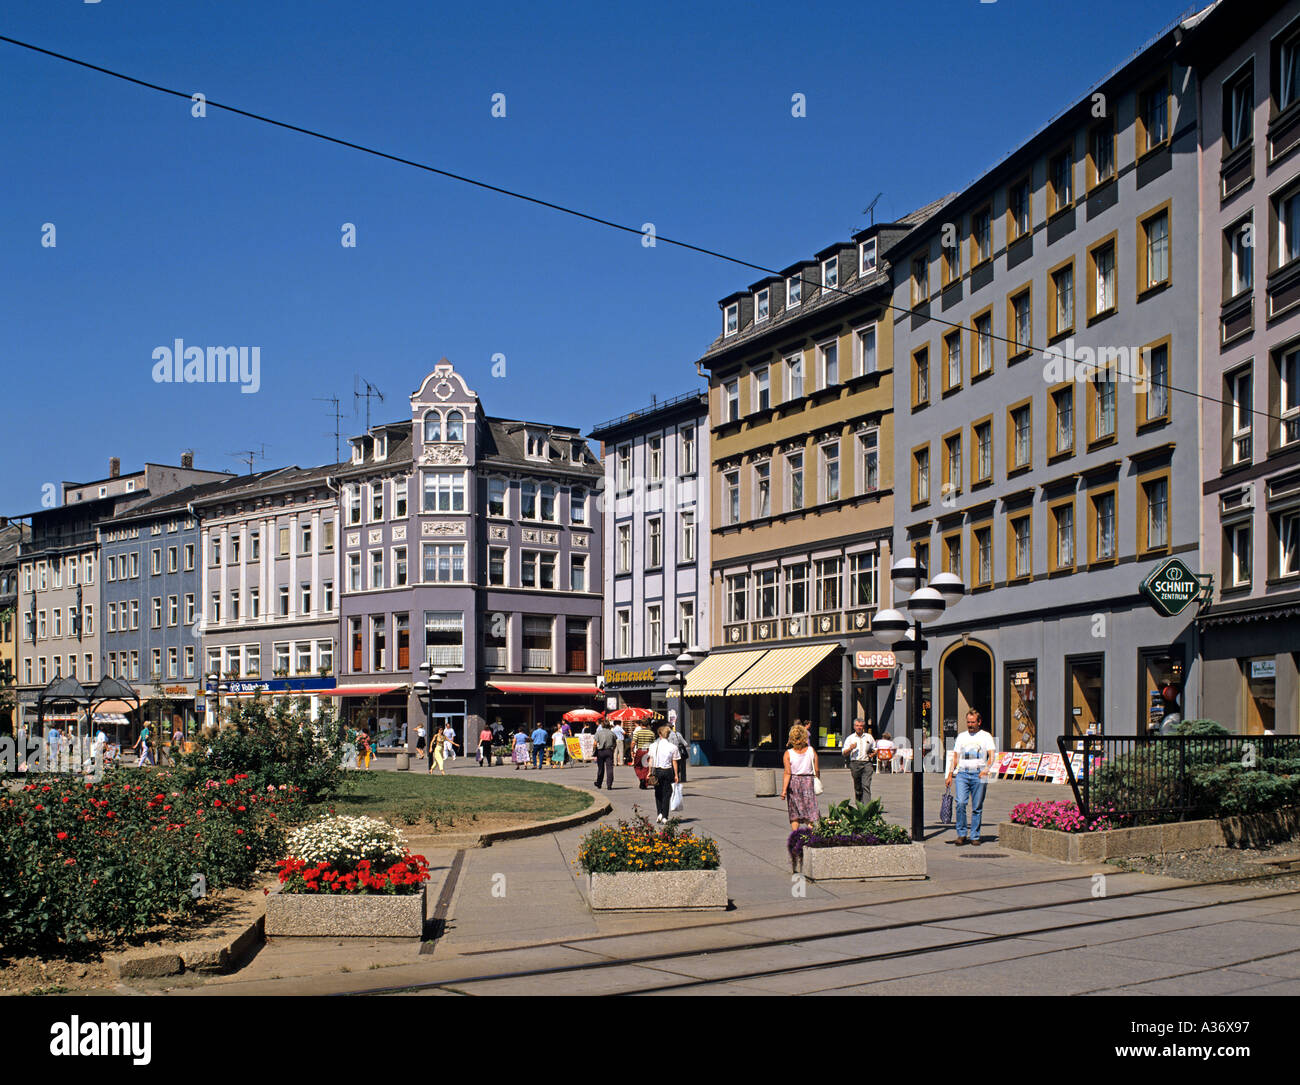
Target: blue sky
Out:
[222,231]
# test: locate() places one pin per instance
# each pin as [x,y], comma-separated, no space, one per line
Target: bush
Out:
[638,846]
[272,743]
[1062,815]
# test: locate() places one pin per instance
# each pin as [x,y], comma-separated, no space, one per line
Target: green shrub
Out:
[1200,727]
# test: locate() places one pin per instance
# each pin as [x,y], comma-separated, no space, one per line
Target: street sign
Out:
[1171,587]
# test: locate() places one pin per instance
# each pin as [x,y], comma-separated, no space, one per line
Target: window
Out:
[455,426]
[1061,408]
[982,438]
[981,236]
[762,490]
[624,480]
[867,257]
[135,614]
[281,652]
[1153,117]
[952,370]
[1020,322]
[376,501]
[731,401]
[112,573]
[376,569]
[1286,211]
[90,619]
[1288,537]
[1022,550]
[654,625]
[535,445]
[688,466]
[1237,553]
[1020,436]
[1238,105]
[284,542]
[951,262]
[354,503]
[327,592]
[216,554]
[624,548]
[1238,253]
[432,427]
[284,601]
[1101,535]
[400,572]
[731,497]
[189,608]
[1018,209]
[869,452]
[864,579]
[737,596]
[354,572]
[830,273]
[304,599]
[155,565]
[831,472]
[794,469]
[546,509]
[1061,301]
[921,378]
[864,349]
[1101,390]
[399,510]
[1287,74]
[762,392]
[982,565]
[1101,264]
[254,602]
[304,531]
[921,475]
[760,306]
[827,584]
[793,291]
[624,622]
[444,563]
[731,319]
[1060,183]
[952,466]
[686,521]
[1240,399]
[796,588]
[577,505]
[1288,377]
[1153,250]
[537,569]
[952,554]
[1062,556]
[765,593]
[654,542]
[1101,154]
[173,611]
[828,363]
[655,458]
[171,559]
[1153,513]
[794,377]
[1153,395]
[920,280]
[58,622]
[255,545]
[496,497]
[686,621]
[577,572]
[189,661]
[444,491]
[496,566]
[983,352]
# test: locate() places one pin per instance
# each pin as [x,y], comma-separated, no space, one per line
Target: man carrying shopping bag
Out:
[972,754]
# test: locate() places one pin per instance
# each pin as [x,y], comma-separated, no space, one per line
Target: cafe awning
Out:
[781,669]
[711,677]
[569,689]
[359,691]
[114,708]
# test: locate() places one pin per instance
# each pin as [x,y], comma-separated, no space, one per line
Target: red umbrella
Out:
[582,715]
[632,714]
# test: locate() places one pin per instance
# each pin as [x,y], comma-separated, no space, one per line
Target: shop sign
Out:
[627,678]
[277,685]
[1263,668]
[1171,587]
[611,703]
[870,661]
[175,689]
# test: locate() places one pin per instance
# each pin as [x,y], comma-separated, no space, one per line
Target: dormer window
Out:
[731,321]
[381,447]
[535,442]
[357,454]
[867,257]
[455,426]
[103,492]
[793,292]
[432,428]
[830,273]
[130,485]
[760,306]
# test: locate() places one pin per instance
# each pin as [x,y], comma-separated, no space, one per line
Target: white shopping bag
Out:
[676,803]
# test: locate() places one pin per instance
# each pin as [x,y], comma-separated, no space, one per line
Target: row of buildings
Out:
[1084,364]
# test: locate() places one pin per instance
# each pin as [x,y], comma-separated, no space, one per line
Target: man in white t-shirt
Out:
[860,752]
[970,758]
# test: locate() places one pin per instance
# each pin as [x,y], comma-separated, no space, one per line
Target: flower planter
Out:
[858,863]
[352,915]
[658,891]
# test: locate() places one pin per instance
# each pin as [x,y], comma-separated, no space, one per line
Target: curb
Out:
[208,957]
[598,809]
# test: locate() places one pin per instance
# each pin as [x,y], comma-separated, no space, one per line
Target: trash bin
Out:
[766,783]
[403,762]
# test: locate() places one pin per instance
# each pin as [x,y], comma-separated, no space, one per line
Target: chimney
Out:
[114,467]
[187,460]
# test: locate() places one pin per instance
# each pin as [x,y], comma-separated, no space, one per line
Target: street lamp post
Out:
[924,604]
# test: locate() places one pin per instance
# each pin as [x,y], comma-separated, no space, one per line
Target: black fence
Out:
[1146,779]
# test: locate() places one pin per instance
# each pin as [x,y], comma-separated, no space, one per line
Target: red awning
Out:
[567,689]
[359,691]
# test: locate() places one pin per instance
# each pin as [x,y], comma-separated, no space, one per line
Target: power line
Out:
[574,212]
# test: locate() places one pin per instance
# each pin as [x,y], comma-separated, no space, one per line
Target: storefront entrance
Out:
[1261,695]
[1085,685]
[967,677]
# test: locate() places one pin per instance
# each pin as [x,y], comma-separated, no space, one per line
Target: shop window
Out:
[1084,696]
[1022,706]
[1261,694]
[1161,694]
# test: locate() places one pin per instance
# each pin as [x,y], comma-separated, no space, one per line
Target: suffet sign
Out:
[1171,587]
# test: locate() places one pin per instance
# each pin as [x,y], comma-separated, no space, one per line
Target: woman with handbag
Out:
[664,757]
[802,781]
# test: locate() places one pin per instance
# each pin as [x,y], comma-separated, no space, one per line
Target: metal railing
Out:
[1147,779]
[658,405]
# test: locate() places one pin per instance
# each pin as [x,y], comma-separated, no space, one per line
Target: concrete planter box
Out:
[658,891]
[858,863]
[359,915]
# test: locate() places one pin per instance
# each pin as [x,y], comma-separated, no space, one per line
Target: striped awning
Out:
[780,669]
[711,677]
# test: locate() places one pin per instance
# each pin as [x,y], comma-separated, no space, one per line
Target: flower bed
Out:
[637,846]
[1063,815]
[351,855]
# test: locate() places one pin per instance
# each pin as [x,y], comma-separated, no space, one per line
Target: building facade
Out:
[1044,321]
[11,535]
[657,542]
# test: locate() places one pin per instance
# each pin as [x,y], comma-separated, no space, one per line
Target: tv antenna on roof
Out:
[338,421]
[357,394]
[871,209]
[247,455]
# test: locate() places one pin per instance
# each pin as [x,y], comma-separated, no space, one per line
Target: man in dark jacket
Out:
[605,756]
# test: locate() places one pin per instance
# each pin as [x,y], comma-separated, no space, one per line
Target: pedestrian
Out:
[419,741]
[797,787]
[539,737]
[142,744]
[641,739]
[620,750]
[485,746]
[363,740]
[449,742]
[683,758]
[178,742]
[557,748]
[885,750]
[605,742]
[498,733]
[664,757]
[438,752]
[859,751]
[972,754]
[519,752]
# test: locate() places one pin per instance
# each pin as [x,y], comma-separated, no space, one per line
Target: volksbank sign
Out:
[1171,587]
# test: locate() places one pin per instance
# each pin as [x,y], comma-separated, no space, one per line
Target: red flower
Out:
[63,836]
